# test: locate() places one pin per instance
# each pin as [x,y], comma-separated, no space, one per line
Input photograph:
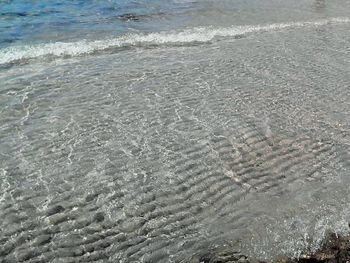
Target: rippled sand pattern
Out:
[159,155]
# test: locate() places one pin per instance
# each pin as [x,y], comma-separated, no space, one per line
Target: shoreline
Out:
[335,249]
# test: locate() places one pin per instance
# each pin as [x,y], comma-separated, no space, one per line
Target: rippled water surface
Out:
[172,131]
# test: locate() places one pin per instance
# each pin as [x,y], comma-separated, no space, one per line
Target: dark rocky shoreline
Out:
[336,249]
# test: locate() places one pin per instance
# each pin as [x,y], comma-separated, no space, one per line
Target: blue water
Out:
[39,29]
[24,21]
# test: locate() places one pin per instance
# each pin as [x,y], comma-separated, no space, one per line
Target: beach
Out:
[150,131]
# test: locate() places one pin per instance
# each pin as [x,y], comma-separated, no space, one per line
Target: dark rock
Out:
[334,250]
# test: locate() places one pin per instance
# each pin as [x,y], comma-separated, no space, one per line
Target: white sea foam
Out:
[199,34]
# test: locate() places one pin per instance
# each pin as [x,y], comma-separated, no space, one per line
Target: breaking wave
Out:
[195,35]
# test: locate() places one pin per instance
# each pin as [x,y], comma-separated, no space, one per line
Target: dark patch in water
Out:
[25,14]
[90,197]
[21,14]
[134,17]
[99,217]
[42,240]
[239,36]
[55,210]
[129,17]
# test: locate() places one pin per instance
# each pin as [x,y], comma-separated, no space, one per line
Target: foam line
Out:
[194,35]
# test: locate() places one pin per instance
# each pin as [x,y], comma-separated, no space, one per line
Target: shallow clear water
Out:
[218,127]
